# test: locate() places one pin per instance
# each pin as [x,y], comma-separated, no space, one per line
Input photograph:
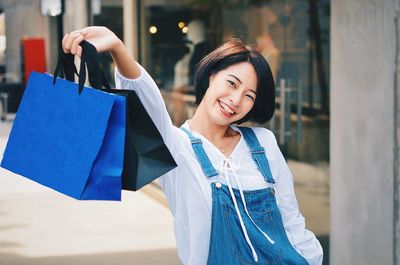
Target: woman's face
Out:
[231,93]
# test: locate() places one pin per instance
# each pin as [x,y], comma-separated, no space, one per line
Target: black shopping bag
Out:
[146,156]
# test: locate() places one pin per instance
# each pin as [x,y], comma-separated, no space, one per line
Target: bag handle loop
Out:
[90,58]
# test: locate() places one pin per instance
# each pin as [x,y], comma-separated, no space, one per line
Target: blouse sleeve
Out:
[303,240]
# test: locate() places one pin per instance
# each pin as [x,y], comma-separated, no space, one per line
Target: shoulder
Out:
[265,136]
[185,144]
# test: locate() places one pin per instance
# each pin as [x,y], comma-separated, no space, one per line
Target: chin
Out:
[220,119]
[227,122]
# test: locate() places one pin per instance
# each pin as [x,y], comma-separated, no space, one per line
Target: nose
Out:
[236,98]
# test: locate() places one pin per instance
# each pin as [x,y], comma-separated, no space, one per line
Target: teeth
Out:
[226,108]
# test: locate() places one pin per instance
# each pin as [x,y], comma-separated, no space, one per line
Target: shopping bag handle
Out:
[90,58]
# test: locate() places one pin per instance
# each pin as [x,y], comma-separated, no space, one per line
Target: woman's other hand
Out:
[100,37]
[105,41]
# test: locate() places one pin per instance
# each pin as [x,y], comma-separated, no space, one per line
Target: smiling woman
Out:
[228,177]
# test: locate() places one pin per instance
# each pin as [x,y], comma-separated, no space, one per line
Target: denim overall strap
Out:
[258,153]
[201,155]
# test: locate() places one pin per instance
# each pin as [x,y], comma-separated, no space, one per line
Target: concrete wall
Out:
[363,132]
[396,179]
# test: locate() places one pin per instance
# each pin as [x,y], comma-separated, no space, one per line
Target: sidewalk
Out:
[312,192]
[41,226]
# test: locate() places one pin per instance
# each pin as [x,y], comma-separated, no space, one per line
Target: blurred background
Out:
[335,65]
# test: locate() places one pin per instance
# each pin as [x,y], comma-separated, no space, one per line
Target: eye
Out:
[231,83]
[250,97]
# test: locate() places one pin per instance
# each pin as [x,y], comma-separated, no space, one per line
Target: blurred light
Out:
[181,24]
[53,12]
[185,29]
[96,7]
[51,8]
[3,42]
[153,29]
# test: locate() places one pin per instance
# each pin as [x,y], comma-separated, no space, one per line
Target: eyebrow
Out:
[236,78]
[241,82]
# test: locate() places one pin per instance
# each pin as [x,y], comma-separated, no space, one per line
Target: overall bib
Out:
[246,226]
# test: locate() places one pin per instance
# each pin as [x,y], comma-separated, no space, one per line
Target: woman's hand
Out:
[105,41]
[100,37]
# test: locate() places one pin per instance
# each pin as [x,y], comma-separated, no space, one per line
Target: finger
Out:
[69,39]
[64,40]
[79,51]
[75,44]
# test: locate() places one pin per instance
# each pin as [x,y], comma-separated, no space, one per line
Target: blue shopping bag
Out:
[69,141]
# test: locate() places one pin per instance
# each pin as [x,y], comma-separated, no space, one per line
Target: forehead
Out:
[244,71]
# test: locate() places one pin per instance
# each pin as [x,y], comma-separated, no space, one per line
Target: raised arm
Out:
[129,75]
[105,41]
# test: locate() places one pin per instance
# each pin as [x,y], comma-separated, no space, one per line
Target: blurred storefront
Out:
[170,37]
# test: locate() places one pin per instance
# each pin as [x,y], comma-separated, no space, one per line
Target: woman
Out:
[232,193]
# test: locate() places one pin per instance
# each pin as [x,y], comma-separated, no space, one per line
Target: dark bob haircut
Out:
[232,52]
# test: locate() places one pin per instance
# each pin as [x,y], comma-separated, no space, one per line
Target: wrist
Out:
[124,61]
[118,49]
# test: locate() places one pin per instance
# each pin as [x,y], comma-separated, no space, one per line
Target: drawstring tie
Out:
[229,165]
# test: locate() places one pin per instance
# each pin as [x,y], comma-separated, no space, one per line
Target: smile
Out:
[226,108]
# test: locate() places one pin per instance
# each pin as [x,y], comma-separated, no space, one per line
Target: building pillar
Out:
[365,130]
[396,179]
[131,38]
[75,15]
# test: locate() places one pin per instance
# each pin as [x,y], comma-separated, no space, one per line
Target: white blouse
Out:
[188,191]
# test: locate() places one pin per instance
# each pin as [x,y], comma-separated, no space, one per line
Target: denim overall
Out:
[246,226]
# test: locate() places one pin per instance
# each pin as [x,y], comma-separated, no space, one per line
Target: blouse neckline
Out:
[219,152]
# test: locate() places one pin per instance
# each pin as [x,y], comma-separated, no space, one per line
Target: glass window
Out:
[293,36]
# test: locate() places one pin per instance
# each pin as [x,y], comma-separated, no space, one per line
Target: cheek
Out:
[246,108]
[208,98]
[249,104]
[213,93]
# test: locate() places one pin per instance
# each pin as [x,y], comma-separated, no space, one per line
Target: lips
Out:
[226,109]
